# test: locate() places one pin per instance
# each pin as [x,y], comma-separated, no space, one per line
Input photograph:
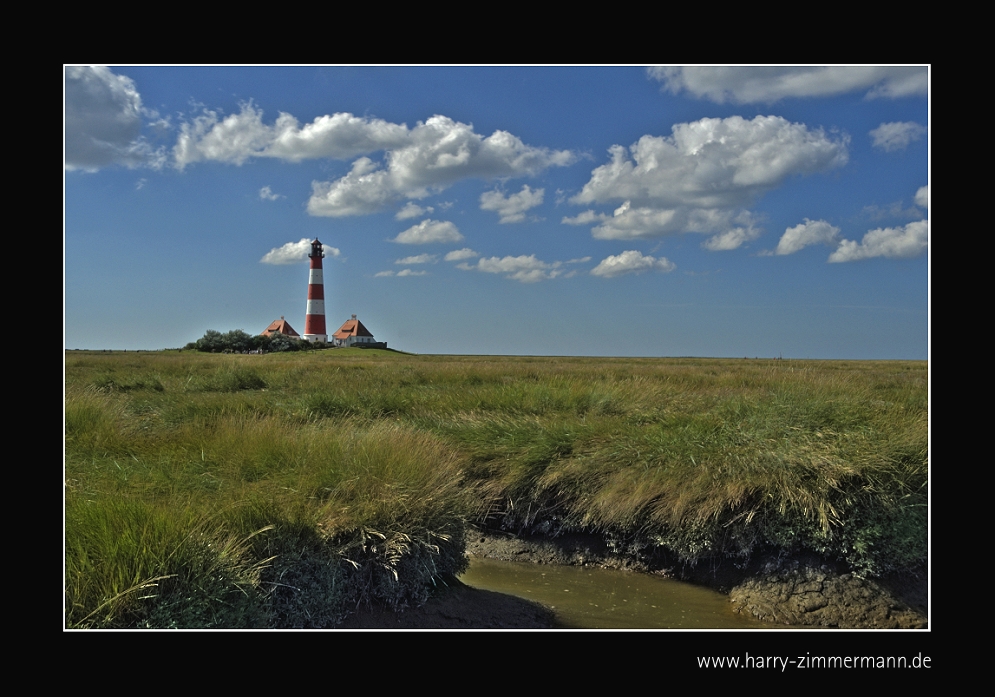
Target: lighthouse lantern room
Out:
[314,323]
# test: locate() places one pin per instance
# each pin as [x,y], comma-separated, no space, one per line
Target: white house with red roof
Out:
[280,326]
[352,332]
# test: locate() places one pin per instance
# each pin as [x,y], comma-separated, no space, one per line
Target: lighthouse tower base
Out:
[323,338]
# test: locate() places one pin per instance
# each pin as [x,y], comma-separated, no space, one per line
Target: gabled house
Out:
[280,326]
[353,332]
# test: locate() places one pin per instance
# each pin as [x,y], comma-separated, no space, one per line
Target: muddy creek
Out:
[594,598]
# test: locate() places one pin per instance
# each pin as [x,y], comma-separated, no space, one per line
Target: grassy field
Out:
[286,489]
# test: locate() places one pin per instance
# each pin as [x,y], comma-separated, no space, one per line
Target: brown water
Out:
[592,598]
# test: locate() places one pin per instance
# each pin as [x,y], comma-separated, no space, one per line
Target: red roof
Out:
[279,326]
[352,327]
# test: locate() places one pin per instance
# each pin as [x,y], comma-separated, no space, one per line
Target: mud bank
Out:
[804,591]
[458,606]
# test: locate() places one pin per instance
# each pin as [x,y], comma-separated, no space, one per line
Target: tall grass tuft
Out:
[129,564]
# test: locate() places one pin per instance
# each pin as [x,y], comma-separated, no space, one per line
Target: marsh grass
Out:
[363,467]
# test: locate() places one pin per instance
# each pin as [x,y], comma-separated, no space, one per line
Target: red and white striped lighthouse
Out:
[314,323]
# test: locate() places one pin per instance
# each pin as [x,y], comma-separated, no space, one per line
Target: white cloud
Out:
[439,153]
[712,163]
[894,243]
[805,234]
[526,269]
[266,194]
[697,179]
[339,136]
[461,254]
[896,135]
[768,84]
[630,261]
[419,259]
[429,157]
[428,232]
[511,209]
[364,190]
[412,210]
[922,197]
[400,274]
[729,229]
[443,151]
[585,218]
[237,137]
[731,239]
[892,210]
[294,252]
[104,121]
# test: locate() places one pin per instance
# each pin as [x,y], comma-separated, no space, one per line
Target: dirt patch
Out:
[805,594]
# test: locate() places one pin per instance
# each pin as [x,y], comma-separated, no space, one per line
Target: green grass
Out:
[299,485]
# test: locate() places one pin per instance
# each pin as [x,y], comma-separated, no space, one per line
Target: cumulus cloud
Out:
[461,254]
[922,197]
[731,239]
[412,210]
[104,121]
[526,269]
[266,194]
[631,261]
[293,252]
[511,209]
[894,243]
[429,157]
[441,152]
[712,163]
[401,273]
[892,210]
[419,259]
[364,190]
[896,135]
[698,179]
[585,218]
[237,137]
[752,84]
[805,234]
[429,232]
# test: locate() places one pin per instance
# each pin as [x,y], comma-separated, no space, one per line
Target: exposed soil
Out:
[458,606]
[804,592]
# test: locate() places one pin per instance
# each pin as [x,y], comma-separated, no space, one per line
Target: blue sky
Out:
[704,211]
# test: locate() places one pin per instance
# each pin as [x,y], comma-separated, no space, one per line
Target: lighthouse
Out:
[314,323]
